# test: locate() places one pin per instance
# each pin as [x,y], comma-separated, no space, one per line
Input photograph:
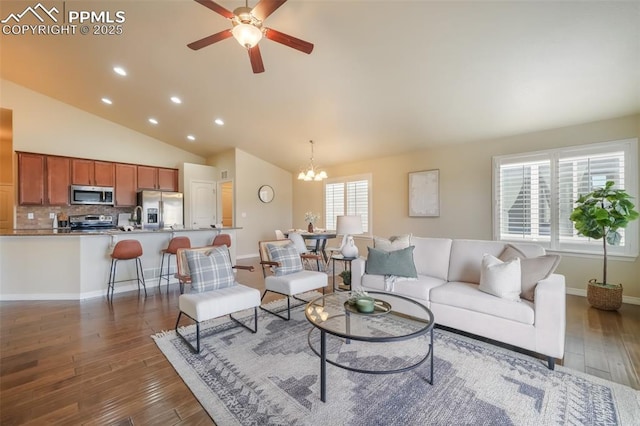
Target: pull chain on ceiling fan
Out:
[247,29]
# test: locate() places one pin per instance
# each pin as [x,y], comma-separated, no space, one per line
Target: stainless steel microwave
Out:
[96,195]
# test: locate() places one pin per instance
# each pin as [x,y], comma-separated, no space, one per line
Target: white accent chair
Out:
[291,284]
[211,304]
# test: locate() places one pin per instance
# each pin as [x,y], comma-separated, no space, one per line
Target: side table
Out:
[347,267]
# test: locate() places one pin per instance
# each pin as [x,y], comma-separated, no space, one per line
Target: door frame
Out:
[219,200]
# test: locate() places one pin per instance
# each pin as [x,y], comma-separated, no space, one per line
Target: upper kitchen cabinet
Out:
[31,178]
[167,179]
[126,184]
[157,178]
[58,180]
[91,172]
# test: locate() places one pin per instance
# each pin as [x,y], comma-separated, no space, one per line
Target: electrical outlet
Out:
[29,215]
[52,215]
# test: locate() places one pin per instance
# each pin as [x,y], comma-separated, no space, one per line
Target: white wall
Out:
[44,125]
[259,220]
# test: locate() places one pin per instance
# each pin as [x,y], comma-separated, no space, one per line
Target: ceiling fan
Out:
[248,30]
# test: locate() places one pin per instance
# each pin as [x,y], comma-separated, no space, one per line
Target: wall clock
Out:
[266,193]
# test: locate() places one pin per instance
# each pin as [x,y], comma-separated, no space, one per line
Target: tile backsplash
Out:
[41,218]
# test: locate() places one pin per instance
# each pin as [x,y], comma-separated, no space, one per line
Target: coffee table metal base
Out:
[323,362]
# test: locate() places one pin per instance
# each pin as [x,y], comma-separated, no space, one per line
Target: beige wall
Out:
[465,192]
[259,220]
[44,125]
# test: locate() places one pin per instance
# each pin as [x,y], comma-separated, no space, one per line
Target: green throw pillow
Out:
[399,262]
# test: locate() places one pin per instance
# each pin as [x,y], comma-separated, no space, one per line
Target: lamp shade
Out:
[349,225]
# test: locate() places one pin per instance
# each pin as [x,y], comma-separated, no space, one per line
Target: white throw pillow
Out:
[502,279]
[397,242]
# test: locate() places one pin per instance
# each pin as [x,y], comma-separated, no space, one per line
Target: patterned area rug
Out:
[272,378]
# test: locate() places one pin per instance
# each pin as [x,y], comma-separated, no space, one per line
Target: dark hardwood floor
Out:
[89,362]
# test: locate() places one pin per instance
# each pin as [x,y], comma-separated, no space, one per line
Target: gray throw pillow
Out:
[211,270]
[399,262]
[287,256]
[533,269]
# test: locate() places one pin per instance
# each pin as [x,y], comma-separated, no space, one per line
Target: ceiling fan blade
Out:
[265,8]
[216,8]
[256,59]
[287,40]
[204,42]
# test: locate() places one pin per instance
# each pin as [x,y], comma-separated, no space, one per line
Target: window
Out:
[534,194]
[347,196]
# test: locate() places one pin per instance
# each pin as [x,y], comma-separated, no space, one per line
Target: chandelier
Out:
[312,172]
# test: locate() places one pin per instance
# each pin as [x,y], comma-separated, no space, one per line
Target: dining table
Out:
[320,239]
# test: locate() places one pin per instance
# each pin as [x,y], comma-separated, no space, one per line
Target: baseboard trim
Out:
[582,292]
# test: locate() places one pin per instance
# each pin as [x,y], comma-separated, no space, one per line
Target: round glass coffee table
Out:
[333,315]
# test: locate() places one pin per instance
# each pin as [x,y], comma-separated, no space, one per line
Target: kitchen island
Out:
[47,264]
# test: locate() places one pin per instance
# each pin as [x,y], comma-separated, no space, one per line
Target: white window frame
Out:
[344,180]
[632,234]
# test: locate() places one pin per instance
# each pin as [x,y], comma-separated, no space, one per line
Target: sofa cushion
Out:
[287,256]
[397,262]
[416,288]
[431,256]
[468,296]
[500,278]
[533,269]
[211,270]
[392,243]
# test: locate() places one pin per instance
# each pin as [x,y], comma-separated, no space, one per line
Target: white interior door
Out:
[203,204]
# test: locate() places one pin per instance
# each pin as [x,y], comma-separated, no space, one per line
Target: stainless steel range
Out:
[91,222]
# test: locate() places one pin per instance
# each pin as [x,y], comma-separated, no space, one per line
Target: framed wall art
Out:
[424,193]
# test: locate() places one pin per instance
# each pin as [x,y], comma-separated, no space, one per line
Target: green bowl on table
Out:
[365,305]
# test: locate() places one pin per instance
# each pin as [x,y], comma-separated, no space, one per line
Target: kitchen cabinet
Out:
[31,178]
[91,172]
[58,180]
[147,177]
[167,179]
[157,178]
[126,184]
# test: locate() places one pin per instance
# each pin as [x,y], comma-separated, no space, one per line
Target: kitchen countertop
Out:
[67,232]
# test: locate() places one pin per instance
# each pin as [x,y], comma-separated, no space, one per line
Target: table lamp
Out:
[349,226]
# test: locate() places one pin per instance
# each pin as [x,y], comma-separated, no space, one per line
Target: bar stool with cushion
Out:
[126,250]
[174,244]
[222,240]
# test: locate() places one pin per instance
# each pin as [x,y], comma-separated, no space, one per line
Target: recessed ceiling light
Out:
[191,137]
[153,121]
[107,101]
[176,100]
[119,70]
[219,121]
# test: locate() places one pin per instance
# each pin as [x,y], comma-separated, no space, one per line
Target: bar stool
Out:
[126,250]
[222,240]
[174,244]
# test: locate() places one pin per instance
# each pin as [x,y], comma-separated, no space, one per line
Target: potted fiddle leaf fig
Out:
[599,215]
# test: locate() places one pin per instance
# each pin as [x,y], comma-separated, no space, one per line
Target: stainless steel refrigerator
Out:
[161,209]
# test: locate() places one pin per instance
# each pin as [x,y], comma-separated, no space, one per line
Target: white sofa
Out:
[447,283]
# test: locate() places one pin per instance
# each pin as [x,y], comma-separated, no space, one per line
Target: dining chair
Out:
[280,235]
[303,249]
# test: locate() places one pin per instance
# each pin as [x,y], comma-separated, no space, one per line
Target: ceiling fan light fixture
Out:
[247,35]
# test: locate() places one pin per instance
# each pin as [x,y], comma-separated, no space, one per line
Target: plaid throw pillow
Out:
[210,271]
[288,258]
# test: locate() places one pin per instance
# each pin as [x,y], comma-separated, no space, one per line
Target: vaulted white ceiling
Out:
[385,77]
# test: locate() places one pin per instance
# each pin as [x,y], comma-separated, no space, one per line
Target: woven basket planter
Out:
[607,299]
